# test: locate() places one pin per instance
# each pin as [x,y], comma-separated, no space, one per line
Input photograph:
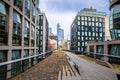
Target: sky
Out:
[64,11]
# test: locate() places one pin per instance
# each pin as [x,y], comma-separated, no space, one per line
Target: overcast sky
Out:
[64,11]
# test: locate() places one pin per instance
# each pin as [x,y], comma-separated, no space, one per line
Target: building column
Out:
[105,52]
[9,66]
[95,49]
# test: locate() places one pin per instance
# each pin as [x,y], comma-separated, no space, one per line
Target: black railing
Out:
[10,69]
[111,58]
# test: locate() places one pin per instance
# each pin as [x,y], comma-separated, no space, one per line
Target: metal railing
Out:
[11,68]
[111,58]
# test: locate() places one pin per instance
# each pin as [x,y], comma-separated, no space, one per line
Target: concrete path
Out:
[92,70]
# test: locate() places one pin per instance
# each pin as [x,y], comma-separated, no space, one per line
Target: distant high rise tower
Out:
[60,33]
[50,30]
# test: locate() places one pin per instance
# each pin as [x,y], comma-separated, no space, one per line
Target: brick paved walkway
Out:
[47,69]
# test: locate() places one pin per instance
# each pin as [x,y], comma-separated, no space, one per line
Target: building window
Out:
[89,23]
[82,23]
[18,3]
[26,53]
[3,22]
[16,67]
[78,17]
[3,58]
[32,35]
[82,33]
[37,18]
[33,12]
[16,28]
[100,49]
[32,52]
[86,18]
[93,19]
[26,33]
[82,18]
[37,38]
[78,22]
[115,50]
[78,33]
[27,8]
[26,62]
[78,49]
[78,43]
[82,38]
[85,33]
[96,23]
[93,24]
[85,23]
[37,2]
[89,19]
[78,38]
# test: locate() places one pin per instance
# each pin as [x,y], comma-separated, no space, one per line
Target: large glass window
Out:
[15,66]
[3,22]
[26,33]
[115,21]
[33,12]
[16,28]
[115,50]
[32,35]
[18,3]
[37,38]
[78,23]
[100,49]
[3,68]
[37,18]
[27,7]
[26,62]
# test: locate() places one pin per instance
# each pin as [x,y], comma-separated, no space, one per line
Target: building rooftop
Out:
[91,11]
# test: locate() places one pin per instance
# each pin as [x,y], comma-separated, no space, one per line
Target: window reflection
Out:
[26,33]
[3,33]
[16,28]
[18,3]
[33,12]
[32,35]
[27,8]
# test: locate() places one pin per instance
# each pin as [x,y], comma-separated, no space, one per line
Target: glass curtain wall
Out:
[16,28]
[16,67]
[3,22]
[26,33]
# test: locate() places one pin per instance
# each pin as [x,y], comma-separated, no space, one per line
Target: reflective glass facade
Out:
[87,26]
[115,21]
[115,26]
[19,25]
[3,22]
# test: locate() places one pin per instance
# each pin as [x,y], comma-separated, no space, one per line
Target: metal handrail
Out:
[21,59]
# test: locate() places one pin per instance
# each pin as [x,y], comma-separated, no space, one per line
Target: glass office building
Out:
[115,26]
[44,30]
[19,24]
[88,25]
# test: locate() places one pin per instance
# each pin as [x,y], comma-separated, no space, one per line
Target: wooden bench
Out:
[69,74]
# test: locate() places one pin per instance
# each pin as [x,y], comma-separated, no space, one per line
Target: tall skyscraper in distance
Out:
[60,34]
[88,25]
[50,30]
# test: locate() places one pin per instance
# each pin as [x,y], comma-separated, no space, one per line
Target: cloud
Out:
[64,11]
